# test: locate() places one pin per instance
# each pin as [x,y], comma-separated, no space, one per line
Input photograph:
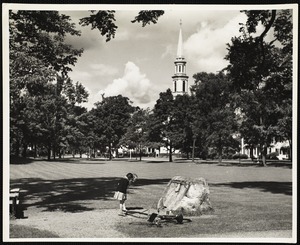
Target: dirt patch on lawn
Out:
[100,224]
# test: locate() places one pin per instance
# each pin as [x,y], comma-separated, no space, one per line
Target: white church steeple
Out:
[180,79]
[179,48]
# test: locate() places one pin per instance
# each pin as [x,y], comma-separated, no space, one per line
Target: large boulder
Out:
[188,196]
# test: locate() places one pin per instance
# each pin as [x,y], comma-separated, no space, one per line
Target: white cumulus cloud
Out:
[207,47]
[133,84]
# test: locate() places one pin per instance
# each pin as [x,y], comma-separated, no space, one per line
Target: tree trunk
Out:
[220,150]
[17,148]
[193,152]
[263,155]
[49,153]
[220,154]
[35,151]
[170,152]
[290,150]
[251,152]
[54,151]
[140,153]
[24,152]
[109,148]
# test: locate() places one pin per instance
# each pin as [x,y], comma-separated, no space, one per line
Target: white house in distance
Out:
[278,147]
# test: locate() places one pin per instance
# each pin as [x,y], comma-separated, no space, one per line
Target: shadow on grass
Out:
[265,186]
[70,195]
[154,161]
[20,161]
[144,182]
[83,161]
[134,208]
[282,164]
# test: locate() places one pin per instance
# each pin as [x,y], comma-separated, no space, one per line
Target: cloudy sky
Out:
[139,61]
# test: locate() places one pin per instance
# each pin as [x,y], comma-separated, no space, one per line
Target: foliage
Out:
[136,136]
[112,117]
[148,16]
[182,119]
[44,106]
[255,97]
[40,90]
[272,156]
[162,126]
[215,121]
[103,21]
[261,78]
[240,156]
[37,38]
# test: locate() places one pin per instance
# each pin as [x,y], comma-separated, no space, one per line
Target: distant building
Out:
[281,149]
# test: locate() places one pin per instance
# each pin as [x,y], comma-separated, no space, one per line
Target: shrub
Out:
[212,155]
[272,156]
[240,156]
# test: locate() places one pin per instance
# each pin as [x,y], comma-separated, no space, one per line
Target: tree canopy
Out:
[250,98]
[261,75]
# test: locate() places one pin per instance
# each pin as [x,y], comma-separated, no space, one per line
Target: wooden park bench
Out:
[14,202]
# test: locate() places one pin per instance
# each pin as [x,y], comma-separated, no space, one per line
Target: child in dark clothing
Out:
[121,191]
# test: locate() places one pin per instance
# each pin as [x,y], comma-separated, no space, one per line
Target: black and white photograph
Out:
[150,123]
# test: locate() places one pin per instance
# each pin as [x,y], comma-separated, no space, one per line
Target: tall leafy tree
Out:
[261,75]
[213,116]
[39,63]
[169,123]
[77,127]
[136,136]
[161,121]
[182,120]
[112,118]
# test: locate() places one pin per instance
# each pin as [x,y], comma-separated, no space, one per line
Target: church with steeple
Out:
[180,79]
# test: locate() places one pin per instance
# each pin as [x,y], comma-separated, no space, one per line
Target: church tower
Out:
[180,79]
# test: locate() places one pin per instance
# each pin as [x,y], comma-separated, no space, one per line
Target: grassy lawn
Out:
[245,197]
[20,231]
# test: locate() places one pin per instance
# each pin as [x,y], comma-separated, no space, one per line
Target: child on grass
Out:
[121,191]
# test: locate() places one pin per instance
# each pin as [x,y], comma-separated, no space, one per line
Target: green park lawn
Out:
[245,196]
